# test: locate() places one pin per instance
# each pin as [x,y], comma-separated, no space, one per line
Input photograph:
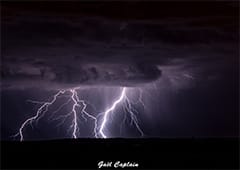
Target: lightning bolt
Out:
[76,100]
[106,113]
[98,130]
[128,106]
[37,116]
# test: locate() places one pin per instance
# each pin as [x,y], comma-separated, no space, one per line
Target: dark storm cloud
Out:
[190,51]
[59,52]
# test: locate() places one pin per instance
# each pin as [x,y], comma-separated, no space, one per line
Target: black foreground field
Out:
[148,153]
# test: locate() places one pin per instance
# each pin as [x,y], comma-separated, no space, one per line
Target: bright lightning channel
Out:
[106,113]
[77,103]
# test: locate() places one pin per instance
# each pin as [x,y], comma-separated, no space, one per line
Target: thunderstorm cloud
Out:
[50,51]
[179,59]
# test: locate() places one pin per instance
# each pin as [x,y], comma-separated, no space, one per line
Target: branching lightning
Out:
[100,120]
[37,116]
[106,113]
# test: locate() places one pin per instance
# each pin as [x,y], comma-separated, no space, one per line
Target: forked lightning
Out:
[100,120]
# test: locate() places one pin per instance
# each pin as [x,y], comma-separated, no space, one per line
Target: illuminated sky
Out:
[182,56]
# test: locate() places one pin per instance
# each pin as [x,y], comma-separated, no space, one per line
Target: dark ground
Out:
[220,153]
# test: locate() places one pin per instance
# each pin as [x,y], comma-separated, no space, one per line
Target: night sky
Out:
[182,56]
